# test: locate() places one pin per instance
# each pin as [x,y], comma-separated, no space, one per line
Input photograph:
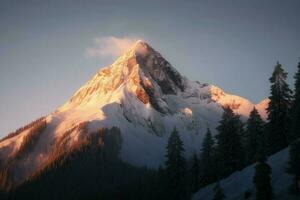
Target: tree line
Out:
[20,130]
[238,145]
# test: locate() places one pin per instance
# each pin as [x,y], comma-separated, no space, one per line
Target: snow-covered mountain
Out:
[143,95]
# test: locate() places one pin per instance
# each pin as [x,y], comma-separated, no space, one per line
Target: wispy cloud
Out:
[109,46]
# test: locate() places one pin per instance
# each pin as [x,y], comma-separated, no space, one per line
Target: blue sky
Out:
[233,44]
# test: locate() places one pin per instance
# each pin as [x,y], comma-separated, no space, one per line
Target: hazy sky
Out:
[48,49]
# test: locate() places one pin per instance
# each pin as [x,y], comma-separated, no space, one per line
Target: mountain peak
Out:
[139,48]
[140,70]
[140,42]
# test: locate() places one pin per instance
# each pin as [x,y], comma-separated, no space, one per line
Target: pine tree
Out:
[254,133]
[207,171]
[262,181]
[294,166]
[262,177]
[229,152]
[295,111]
[278,111]
[195,174]
[175,167]
[218,192]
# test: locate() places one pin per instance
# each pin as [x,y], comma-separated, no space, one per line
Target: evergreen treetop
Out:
[175,167]
[278,110]
[254,133]
[207,159]
[230,156]
[175,151]
[207,149]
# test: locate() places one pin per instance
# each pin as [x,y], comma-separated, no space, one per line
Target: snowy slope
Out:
[143,95]
[236,184]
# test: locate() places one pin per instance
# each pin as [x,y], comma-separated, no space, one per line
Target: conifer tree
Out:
[262,177]
[207,159]
[295,111]
[218,192]
[254,133]
[278,111]
[195,174]
[229,152]
[294,166]
[262,181]
[175,167]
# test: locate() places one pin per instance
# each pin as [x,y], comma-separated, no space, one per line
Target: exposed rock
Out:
[142,95]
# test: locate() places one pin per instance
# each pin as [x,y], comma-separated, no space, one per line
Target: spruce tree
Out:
[295,111]
[262,181]
[294,166]
[175,167]
[278,111]
[229,152]
[262,177]
[218,192]
[254,133]
[195,174]
[207,171]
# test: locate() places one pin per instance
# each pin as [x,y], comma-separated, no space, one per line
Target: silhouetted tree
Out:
[229,151]
[262,180]
[175,167]
[278,111]
[254,133]
[207,159]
